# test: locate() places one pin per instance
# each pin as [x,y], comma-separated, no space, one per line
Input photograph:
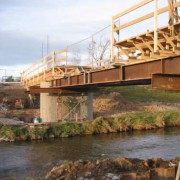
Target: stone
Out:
[4,139]
[110,175]
[116,178]
[7,121]
[51,136]
[88,174]
[97,162]
[80,178]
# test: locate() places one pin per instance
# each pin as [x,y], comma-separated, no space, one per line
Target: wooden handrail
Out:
[145,17]
[137,6]
[42,64]
[117,28]
[61,51]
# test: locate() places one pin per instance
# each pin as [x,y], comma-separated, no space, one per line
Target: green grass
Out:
[127,122]
[14,133]
[66,129]
[145,94]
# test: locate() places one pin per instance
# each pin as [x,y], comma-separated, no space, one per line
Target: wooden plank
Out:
[137,6]
[61,51]
[155,26]
[60,59]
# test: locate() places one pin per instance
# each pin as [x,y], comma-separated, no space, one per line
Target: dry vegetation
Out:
[119,100]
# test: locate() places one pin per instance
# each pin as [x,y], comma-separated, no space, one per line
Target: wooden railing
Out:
[117,28]
[44,65]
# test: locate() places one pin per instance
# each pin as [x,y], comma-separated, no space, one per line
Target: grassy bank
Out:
[145,94]
[127,122]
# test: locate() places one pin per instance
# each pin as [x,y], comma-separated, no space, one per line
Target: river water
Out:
[34,159]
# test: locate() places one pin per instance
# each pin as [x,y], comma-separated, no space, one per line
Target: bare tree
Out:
[98,50]
[77,57]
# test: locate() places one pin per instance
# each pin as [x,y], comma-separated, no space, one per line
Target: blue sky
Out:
[26,23]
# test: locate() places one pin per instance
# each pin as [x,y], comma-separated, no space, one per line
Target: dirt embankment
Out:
[15,104]
[118,169]
[114,104]
[25,115]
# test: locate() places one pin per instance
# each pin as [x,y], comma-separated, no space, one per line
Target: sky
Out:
[25,25]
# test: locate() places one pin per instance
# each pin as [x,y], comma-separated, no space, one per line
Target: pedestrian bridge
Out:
[152,57]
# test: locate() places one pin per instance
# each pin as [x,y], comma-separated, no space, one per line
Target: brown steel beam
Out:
[166,82]
[53,91]
[133,74]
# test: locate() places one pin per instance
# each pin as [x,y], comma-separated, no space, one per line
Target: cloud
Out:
[26,23]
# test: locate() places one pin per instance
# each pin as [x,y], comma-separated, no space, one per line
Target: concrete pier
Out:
[48,105]
[73,107]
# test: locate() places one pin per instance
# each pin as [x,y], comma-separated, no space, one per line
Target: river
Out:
[34,159]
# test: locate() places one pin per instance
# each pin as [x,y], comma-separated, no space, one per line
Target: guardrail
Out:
[116,29]
[44,65]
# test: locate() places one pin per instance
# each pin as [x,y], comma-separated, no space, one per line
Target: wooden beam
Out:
[137,6]
[61,51]
[52,91]
[155,26]
[60,59]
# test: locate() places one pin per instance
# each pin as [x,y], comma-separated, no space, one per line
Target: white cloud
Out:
[27,23]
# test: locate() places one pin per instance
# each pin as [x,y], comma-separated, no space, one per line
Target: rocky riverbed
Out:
[118,169]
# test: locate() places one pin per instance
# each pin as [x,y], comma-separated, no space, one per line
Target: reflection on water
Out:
[36,158]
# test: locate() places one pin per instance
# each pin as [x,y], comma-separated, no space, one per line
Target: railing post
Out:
[112,39]
[22,78]
[53,68]
[155,26]
[43,65]
[66,55]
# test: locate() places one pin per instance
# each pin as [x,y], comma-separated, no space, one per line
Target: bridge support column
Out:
[75,107]
[48,105]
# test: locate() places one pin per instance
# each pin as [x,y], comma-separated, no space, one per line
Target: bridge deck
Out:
[129,74]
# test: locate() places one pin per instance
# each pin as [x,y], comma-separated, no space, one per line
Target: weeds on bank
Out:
[14,133]
[66,129]
[128,122]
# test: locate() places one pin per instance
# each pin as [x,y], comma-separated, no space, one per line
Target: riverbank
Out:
[122,123]
[118,169]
